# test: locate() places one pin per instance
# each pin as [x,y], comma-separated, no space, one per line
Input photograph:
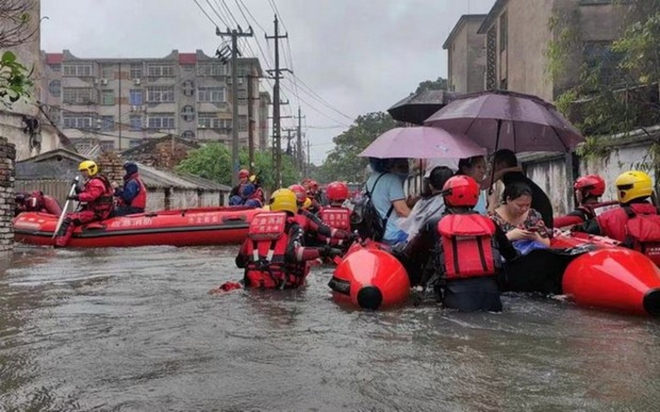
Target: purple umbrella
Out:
[499,119]
[422,143]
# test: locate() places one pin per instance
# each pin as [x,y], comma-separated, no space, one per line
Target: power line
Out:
[205,13]
[216,13]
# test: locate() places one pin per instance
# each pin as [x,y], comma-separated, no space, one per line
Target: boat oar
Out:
[66,205]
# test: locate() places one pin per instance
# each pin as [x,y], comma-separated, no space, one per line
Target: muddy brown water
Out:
[136,330]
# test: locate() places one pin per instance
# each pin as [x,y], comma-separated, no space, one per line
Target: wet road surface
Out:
[137,330]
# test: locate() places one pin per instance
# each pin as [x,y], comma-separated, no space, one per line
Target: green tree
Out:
[213,162]
[438,84]
[617,87]
[343,162]
[15,29]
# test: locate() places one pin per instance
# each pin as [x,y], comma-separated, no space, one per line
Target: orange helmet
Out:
[301,193]
[461,191]
[243,173]
[337,192]
[590,185]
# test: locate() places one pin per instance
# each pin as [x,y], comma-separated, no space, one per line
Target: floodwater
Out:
[137,330]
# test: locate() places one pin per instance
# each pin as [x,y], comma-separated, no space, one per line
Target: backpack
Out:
[365,218]
[643,234]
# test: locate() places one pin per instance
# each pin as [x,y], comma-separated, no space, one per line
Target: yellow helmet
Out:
[89,166]
[633,185]
[283,200]
[307,204]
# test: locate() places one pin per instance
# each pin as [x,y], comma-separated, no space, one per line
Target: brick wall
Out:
[111,165]
[7,197]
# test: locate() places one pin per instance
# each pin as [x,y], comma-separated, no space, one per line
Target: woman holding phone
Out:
[516,217]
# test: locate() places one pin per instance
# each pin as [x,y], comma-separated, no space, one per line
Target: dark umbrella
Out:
[419,106]
[499,119]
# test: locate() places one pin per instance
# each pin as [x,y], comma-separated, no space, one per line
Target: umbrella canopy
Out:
[419,106]
[422,143]
[508,120]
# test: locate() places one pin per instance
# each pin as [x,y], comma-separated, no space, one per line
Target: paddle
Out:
[66,205]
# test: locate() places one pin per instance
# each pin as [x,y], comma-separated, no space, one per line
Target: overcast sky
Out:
[358,56]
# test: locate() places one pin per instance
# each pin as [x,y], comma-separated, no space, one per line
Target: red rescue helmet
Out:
[461,191]
[301,193]
[243,173]
[590,185]
[337,192]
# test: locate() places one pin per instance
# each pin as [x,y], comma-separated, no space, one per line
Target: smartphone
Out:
[533,229]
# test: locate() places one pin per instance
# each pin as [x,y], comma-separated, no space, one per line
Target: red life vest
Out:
[643,230]
[613,222]
[104,204]
[467,246]
[266,249]
[336,218]
[597,209]
[140,200]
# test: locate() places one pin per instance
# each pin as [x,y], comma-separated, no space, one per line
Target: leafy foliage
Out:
[438,84]
[14,79]
[343,162]
[213,162]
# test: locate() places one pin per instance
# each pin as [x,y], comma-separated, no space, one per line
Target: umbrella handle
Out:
[497,143]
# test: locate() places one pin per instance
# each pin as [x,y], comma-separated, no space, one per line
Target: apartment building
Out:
[122,102]
[466,53]
[515,37]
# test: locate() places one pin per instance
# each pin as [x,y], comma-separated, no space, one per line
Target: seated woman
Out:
[475,167]
[518,220]
[430,205]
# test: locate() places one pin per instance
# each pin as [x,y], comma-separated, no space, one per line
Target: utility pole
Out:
[235,34]
[289,151]
[276,104]
[299,152]
[250,99]
[308,159]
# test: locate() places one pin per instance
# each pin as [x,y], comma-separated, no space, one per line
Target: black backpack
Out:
[365,218]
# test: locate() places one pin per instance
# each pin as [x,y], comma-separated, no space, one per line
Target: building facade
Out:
[122,102]
[466,53]
[516,38]
[23,124]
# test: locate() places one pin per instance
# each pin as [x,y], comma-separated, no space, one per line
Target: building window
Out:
[242,95]
[78,70]
[134,143]
[55,67]
[491,59]
[188,134]
[135,122]
[160,70]
[79,95]
[135,97]
[161,121]
[107,70]
[598,56]
[211,69]
[107,145]
[242,123]
[504,32]
[136,71]
[108,97]
[77,120]
[188,113]
[160,94]
[212,94]
[55,88]
[188,88]
[107,123]
[211,121]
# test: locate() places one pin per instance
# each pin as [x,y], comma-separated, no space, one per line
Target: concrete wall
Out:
[466,56]
[11,121]
[553,174]
[7,197]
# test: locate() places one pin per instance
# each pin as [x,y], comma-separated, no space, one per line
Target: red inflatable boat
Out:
[593,271]
[185,227]
[369,277]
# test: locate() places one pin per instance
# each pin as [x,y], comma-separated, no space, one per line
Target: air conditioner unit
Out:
[104,81]
[134,108]
[137,81]
[96,81]
[240,80]
[80,100]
